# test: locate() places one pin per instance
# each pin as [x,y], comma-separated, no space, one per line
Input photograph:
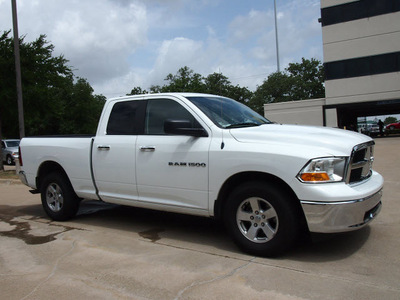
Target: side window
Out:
[158,111]
[126,118]
[3,145]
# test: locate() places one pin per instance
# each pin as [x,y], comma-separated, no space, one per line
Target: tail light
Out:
[20,157]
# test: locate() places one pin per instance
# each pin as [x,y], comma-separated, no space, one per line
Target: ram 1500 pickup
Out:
[211,156]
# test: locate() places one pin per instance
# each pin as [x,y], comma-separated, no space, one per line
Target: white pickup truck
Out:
[211,156]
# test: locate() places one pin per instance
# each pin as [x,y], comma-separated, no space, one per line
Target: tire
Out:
[9,160]
[59,200]
[262,219]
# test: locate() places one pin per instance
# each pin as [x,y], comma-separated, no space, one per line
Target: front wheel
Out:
[58,197]
[262,219]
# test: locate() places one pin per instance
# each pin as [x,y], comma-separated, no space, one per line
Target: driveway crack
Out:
[53,271]
[221,277]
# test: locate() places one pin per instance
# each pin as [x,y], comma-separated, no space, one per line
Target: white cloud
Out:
[120,44]
[95,36]
[253,24]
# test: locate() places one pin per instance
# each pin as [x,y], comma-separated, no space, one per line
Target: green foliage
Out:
[308,78]
[82,110]
[53,102]
[299,81]
[217,84]
[186,80]
[390,120]
[137,91]
[277,88]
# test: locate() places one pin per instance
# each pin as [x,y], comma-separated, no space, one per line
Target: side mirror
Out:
[183,127]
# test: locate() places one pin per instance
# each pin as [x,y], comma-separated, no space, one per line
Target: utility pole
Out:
[276,38]
[18,71]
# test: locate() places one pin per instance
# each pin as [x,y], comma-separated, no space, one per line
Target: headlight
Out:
[322,170]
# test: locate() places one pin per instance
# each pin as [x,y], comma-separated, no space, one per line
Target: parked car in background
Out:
[393,126]
[370,130]
[9,149]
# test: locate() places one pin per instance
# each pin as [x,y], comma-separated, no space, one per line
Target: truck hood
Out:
[330,141]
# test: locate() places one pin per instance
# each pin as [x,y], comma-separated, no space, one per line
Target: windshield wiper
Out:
[239,125]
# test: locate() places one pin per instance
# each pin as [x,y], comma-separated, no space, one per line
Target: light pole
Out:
[18,71]
[276,38]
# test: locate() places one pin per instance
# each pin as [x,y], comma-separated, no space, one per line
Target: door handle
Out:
[103,147]
[147,148]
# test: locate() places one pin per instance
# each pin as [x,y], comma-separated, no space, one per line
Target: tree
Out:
[53,102]
[185,80]
[299,81]
[308,79]
[390,120]
[137,91]
[277,88]
[82,110]
[44,81]
[217,84]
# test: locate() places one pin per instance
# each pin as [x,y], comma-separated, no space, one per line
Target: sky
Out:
[121,44]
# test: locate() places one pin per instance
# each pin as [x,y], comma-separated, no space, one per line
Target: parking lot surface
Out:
[116,252]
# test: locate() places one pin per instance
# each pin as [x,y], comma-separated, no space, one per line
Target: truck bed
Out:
[72,152]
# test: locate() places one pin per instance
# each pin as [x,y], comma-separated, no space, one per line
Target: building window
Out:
[363,66]
[358,10]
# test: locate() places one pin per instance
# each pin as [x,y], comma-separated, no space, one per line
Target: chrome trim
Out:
[365,164]
[147,148]
[103,147]
[340,216]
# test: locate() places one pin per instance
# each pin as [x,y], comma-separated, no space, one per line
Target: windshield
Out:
[228,113]
[12,144]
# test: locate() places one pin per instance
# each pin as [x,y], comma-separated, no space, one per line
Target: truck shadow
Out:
[172,229]
[330,247]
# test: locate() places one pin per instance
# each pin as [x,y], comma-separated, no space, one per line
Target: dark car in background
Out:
[9,150]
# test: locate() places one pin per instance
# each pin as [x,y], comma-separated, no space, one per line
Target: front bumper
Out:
[341,216]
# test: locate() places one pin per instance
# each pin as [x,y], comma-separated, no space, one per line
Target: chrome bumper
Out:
[326,217]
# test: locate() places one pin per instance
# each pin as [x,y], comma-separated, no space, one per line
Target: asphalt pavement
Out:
[116,252]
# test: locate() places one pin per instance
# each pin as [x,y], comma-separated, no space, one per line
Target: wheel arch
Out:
[48,167]
[244,177]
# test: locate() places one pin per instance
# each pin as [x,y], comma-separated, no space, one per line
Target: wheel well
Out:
[47,168]
[244,177]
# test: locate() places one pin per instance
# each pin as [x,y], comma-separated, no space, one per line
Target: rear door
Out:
[114,154]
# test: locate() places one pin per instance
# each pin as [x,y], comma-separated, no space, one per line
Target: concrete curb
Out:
[10,181]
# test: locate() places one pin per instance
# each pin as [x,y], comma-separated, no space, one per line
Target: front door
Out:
[171,170]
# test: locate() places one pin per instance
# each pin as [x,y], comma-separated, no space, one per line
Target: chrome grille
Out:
[360,164]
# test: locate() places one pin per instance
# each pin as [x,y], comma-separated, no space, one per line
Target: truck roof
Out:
[143,96]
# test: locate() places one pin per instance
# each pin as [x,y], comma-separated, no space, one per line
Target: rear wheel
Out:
[9,160]
[262,219]
[58,197]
